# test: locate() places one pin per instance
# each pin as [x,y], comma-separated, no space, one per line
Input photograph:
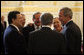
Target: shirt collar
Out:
[36,26]
[15,26]
[66,23]
[46,26]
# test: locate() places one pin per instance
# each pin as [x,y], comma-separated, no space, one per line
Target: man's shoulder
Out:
[47,34]
[40,30]
[29,26]
[10,30]
[35,31]
[55,32]
[50,32]
[73,26]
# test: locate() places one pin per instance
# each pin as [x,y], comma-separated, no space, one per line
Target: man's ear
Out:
[13,20]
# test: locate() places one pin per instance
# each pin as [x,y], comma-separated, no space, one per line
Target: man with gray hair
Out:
[45,40]
[71,31]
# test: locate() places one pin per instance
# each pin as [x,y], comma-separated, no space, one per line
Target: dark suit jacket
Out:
[73,36]
[26,31]
[14,42]
[2,32]
[46,41]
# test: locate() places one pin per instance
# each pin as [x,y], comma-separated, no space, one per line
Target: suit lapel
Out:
[69,23]
[13,28]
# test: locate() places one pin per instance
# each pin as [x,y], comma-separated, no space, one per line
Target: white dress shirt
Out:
[46,26]
[15,27]
[39,27]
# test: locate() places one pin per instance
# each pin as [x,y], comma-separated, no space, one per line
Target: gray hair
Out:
[46,19]
[67,12]
[35,14]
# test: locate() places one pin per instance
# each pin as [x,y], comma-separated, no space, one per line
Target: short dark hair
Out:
[12,15]
[67,11]
[35,14]
[46,19]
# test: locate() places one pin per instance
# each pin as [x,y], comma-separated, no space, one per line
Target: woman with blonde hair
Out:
[57,24]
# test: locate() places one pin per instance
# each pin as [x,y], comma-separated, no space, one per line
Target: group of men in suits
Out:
[39,38]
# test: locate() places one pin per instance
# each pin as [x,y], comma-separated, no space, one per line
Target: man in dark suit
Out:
[32,26]
[71,31]
[3,27]
[14,41]
[45,40]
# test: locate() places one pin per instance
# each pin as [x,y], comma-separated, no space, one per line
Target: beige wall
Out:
[30,7]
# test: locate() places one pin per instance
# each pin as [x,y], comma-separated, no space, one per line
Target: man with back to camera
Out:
[14,41]
[46,40]
[71,31]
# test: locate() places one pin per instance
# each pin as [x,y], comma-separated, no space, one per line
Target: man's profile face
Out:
[37,20]
[62,18]
[19,20]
